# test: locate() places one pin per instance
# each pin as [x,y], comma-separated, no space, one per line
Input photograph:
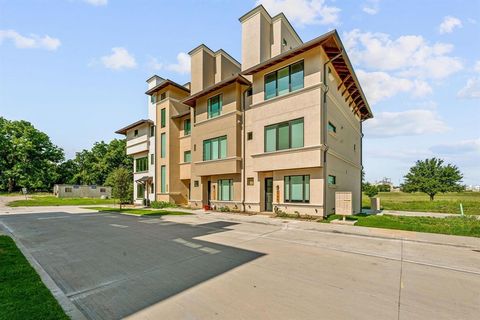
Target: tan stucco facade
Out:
[329,107]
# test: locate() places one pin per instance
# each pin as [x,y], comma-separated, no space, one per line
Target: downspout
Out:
[324,129]
[244,180]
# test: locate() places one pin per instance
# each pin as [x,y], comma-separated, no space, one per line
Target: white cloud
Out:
[448,24]
[458,148]
[183,64]
[154,64]
[371,7]
[28,42]
[404,123]
[380,85]
[97,2]
[303,12]
[119,59]
[471,90]
[408,56]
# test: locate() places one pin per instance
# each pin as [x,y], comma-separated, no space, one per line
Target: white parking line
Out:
[118,225]
[49,218]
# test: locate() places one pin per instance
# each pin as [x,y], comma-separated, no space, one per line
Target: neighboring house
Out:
[281,131]
[81,191]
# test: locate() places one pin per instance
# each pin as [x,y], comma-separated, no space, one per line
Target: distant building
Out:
[81,191]
[473,188]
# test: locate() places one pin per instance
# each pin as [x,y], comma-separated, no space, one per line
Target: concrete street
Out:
[224,266]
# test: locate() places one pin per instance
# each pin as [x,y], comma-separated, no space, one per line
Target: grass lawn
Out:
[459,226]
[35,201]
[142,212]
[443,203]
[22,293]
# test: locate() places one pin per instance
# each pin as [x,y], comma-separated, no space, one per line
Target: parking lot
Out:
[113,266]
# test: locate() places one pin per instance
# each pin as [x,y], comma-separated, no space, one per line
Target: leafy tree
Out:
[370,190]
[27,157]
[120,180]
[431,176]
[383,188]
[66,172]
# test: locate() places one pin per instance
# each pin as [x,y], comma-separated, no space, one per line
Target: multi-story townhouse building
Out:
[281,131]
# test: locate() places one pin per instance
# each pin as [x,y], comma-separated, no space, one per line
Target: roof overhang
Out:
[191,100]
[133,125]
[164,84]
[144,179]
[332,46]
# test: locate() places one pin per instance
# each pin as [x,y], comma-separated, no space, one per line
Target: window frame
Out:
[219,139]
[142,187]
[189,152]
[289,197]
[185,131]
[152,158]
[334,180]
[163,145]
[152,131]
[277,135]
[331,127]
[163,117]
[220,102]
[140,165]
[220,192]
[275,72]
[163,179]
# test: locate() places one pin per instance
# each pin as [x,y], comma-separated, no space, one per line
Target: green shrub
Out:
[225,209]
[162,204]
[370,190]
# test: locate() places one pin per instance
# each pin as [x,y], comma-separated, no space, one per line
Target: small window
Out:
[163,118]
[249,92]
[332,180]
[187,127]
[67,189]
[103,190]
[152,131]
[163,145]
[93,186]
[284,42]
[225,189]
[354,147]
[135,133]
[153,98]
[331,127]
[152,188]
[152,158]
[214,106]
[163,96]
[76,186]
[163,179]
[187,156]
[249,135]
[297,188]
[141,164]
[195,183]
[250,181]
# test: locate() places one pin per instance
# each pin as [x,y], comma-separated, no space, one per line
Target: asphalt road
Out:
[114,266]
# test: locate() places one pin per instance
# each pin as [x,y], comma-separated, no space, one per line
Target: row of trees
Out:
[430,176]
[29,159]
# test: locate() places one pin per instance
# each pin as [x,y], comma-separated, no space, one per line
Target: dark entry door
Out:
[209,191]
[268,194]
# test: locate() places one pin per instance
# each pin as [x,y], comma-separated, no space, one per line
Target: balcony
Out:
[218,167]
[185,171]
[138,144]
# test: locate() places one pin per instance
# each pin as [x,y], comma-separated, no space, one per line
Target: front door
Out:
[268,194]
[209,192]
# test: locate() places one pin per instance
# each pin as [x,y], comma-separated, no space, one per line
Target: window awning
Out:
[144,179]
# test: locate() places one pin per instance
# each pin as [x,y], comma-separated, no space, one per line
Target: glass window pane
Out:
[225,190]
[287,188]
[214,149]
[207,150]
[270,139]
[296,184]
[186,127]
[163,117]
[307,188]
[163,143]
[283,136]
[297,133]
[223,147]
[214,106]
[297,76]
[163,178]
[187,156]
[270,86]
[283,81]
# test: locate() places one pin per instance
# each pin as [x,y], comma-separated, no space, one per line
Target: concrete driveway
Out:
[113,266]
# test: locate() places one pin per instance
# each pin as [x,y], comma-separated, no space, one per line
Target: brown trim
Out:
[164,84]
[133,125]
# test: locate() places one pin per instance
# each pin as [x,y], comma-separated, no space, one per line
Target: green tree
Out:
[121,181]
[67,171]
[27,157]
[431,176]
[370,190]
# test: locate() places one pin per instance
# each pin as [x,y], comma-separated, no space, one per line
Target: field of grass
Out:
[35,201]
[22,293]
[141,212]
[459,226]
[443,203]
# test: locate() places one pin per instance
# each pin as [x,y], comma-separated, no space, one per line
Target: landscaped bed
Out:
[459,226]
[443,203]
[141,212]
[22,293]
[37,201]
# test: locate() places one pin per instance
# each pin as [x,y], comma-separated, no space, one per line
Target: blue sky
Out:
[76,69]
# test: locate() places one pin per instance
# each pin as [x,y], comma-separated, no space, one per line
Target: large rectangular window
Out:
[297,188]
[284,80]
[141,164]
[163,145]
[187,127]
[225,189]
[140,191]
[187,156]
[215,148]
[214,106]
[163,117]
[285,135]
[163,179]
